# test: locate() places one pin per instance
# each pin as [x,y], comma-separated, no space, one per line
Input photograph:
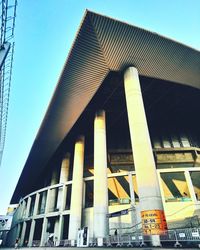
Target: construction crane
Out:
[7,26]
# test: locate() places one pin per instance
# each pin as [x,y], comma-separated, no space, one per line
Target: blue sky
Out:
[45,30]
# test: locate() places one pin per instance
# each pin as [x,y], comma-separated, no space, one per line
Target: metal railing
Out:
[176,238]
[189,237]
[36,243]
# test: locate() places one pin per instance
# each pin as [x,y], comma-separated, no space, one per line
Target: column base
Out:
[73,243]
[99,242]
[155,241]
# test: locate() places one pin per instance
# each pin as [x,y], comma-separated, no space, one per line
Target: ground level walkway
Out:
[94,248]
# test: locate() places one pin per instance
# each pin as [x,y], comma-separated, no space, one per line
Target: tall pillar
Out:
[77,190]
[22,214]
[18,212]
[147,180]
[23,234]
[28,207]
[84,192]
[100,178]
[131,188]
[60,227]
[64,171]
[44,232]
[43,202]
[32,228]
[63,200]
[31,234]
[53,191]
[18,230]
[64,176]
[36,205]
[54,177]
[56,231]
[48,201]
[62,208]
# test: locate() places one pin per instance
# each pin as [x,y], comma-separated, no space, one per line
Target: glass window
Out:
[166,142]
[156,143]
[185,141]
[195,177]
[119,190]
[53,197]
[175,187]
[32,205]
[175,142]
[38,229]
[68,200]
[25,207]
[120,162]
[89,189]
[42,202]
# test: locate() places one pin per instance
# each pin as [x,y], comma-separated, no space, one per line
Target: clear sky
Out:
[45,30]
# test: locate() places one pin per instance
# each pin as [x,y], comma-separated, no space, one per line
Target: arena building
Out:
[120,137]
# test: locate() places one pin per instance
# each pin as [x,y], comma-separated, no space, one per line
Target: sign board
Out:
[11,209]
[153,222]
[195,234]
[118,213]
[5,222]
[83,237]
[182,235]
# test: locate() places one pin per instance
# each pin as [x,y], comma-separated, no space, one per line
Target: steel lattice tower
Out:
[7,26]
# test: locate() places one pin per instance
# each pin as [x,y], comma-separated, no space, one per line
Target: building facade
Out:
[121,134]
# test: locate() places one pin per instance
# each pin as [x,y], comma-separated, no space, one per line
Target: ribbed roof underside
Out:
[153,55]
[103,44]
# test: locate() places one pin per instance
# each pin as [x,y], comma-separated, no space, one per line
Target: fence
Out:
[36,243]
[178,238]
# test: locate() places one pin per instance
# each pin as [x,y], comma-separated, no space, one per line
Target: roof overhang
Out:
[103,44]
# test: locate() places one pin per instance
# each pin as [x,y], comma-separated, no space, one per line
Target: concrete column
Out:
[64,172]
[21,207]
[44,232]
[31,234]
[54,177]
[18,230]
[132,197]
[60,228]
[23,233]
[61,218]
[22,214]
[100,178]
[148,186]
[131,188]
[56,230]
[48,201]
[190,186]
[16,217]
[84,192]
[53,192]
[64,196]
[28,207]
[43,202]
[77,190]
[35,210]
[64,176]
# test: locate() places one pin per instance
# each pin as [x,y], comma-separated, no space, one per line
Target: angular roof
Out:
[103,44]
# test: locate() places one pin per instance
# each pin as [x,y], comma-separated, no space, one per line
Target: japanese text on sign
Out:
[153,222]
